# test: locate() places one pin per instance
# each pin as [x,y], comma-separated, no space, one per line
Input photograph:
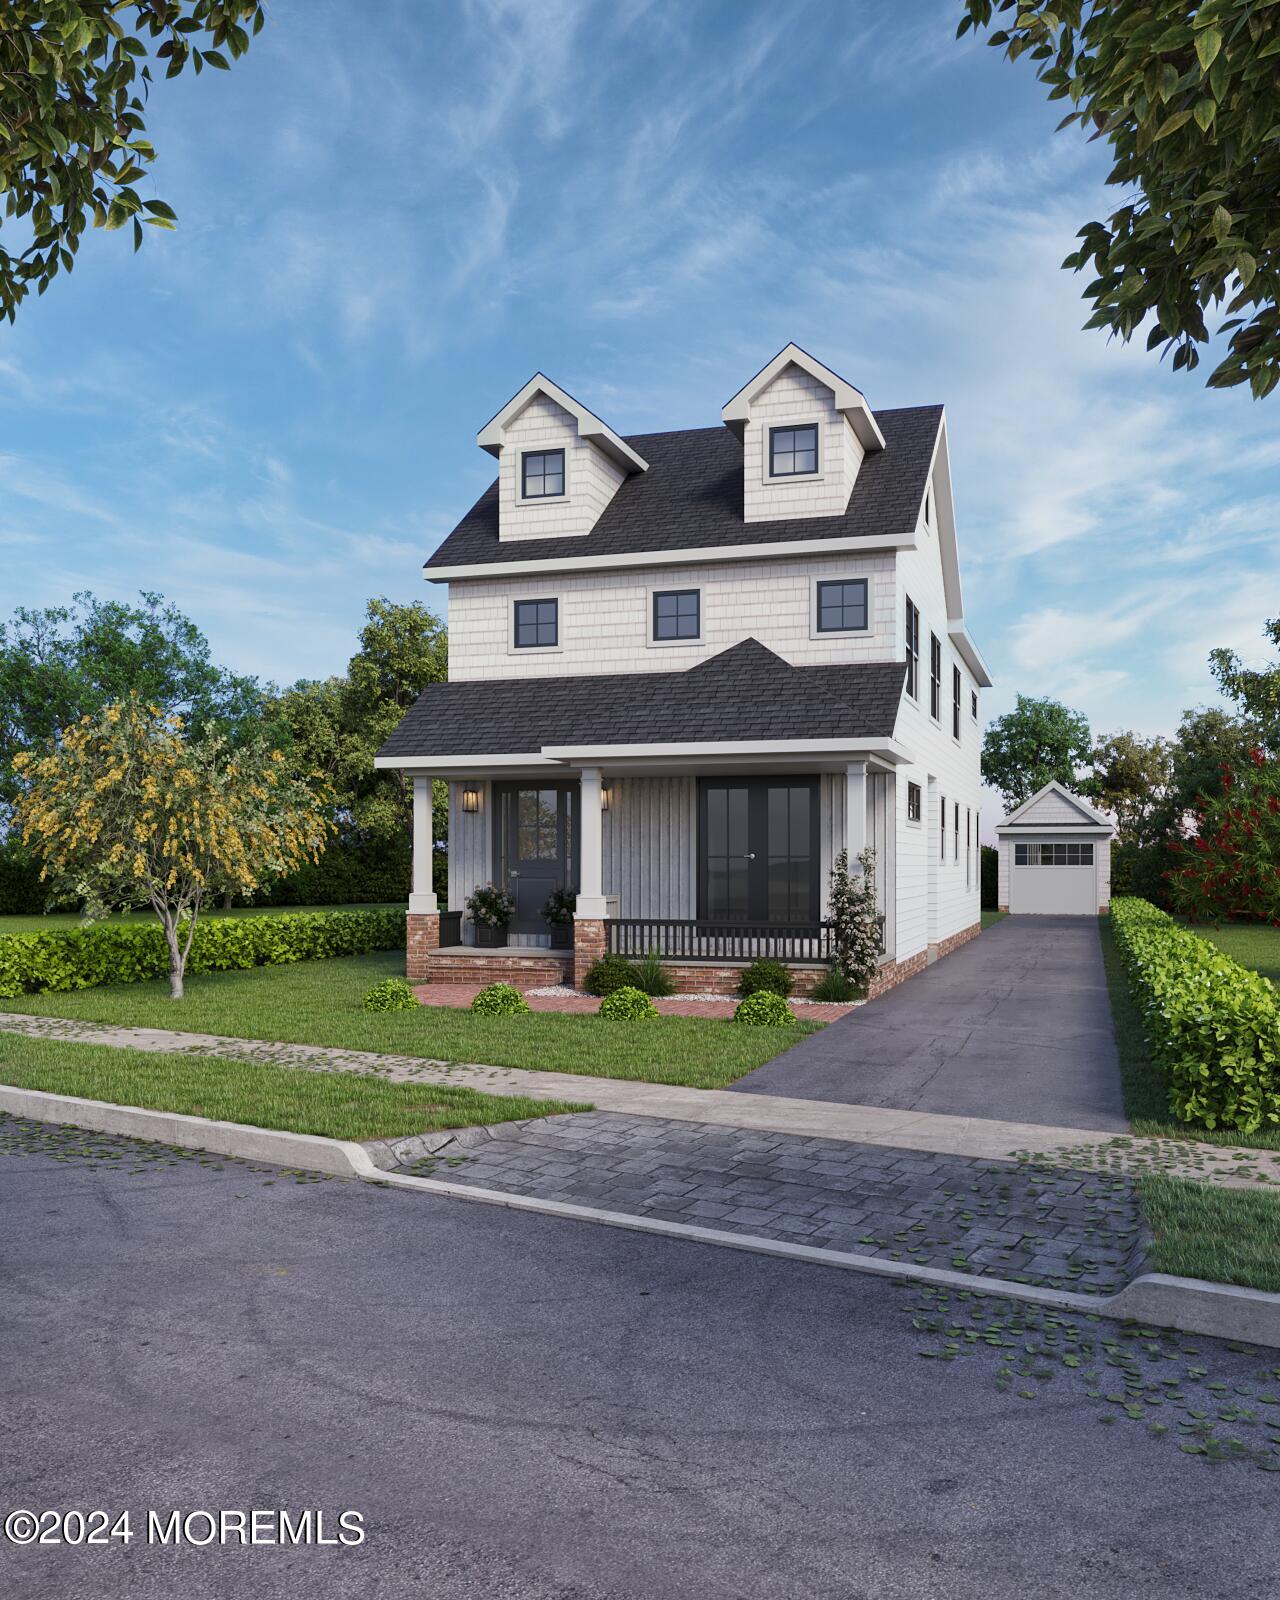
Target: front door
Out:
[758,850]
[535,846]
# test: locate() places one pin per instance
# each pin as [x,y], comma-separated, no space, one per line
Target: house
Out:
[687,669]
[1055,856]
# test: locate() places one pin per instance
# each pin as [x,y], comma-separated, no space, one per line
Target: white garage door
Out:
[1053,877]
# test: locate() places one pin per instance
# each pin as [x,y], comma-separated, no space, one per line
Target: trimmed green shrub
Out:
[989,876]
[1213,1026]
[765,977]
[500,1000]
[833,985]
[392,994]
[764,1009]
[627,1005]
[610,973]
[128,952]
[653,978]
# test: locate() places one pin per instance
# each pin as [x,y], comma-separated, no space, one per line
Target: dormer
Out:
[805,433]
[558,464]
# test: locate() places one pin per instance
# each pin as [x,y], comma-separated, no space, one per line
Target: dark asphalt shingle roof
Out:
[745,692]
[691,498]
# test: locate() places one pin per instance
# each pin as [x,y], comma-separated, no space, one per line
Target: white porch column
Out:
[422,898]
[855,811]
[591,842]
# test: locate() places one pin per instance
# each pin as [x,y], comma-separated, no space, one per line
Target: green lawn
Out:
[1146,1101]
[1249,943]
[1203,1231]
[339,1105]
[71,919]
[318,1002]
[990,918]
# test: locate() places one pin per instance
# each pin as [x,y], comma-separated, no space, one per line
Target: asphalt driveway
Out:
[1015,1025]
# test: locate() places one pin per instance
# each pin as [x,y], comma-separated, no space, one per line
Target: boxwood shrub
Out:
[392,994]
[764,1009]
[610,973]
[500,1000]
[128,952]
[1213,1026]
[765,976]
[627,1005]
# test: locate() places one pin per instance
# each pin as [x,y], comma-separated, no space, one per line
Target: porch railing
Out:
[686,939]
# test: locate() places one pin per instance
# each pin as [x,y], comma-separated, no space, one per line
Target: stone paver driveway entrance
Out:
[1055,1226]
[1016,1024]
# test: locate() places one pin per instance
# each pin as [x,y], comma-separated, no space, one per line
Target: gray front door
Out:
[535,846]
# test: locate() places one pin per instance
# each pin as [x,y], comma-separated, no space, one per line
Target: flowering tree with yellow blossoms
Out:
[123,810]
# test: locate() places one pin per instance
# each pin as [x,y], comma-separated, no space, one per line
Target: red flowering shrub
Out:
[1231,868]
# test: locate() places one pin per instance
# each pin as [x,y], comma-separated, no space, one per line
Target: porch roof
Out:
[746,695]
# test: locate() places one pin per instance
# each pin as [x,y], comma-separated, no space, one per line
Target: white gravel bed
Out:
[557,989]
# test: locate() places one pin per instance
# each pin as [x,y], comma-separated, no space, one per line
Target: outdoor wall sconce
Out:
[471,799]
[606,797]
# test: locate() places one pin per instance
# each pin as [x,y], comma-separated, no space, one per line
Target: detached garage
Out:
[1055,856]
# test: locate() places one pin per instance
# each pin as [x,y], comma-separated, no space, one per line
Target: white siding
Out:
[604,617]
[470,838]
[650,833]
[1052,808]
[796,397]
[880,836]
[591,479]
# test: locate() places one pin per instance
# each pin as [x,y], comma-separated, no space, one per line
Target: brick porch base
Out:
[422,937]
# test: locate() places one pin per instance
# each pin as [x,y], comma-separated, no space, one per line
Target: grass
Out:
[1251,944]
[1146,1100]
[54,920]
[319,1002]
[1203,1231]
[990,918]
[339,1105]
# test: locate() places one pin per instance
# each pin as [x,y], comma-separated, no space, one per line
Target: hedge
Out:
[128,952]
[1212,1025]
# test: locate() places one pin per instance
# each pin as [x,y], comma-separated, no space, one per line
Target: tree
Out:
[1130,778]
[125,810]
[1231,868]
[1038,742]
[66,662]
[74,78]
[855,919]
[1256,692]
[1187,94]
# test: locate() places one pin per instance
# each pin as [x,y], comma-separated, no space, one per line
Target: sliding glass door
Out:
[758,850]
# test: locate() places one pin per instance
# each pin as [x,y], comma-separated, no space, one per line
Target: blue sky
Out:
[392,214]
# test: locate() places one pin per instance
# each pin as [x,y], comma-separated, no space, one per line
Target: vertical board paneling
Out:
[649,846]
[469,837]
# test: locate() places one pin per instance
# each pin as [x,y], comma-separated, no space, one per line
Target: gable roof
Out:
[1081,814]
[849,402]
[745,692]
[589,425]
[691,499]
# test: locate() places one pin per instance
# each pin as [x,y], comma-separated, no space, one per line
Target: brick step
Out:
[525,972]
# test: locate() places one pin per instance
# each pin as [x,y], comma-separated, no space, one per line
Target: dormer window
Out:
[793,452]
[542,474]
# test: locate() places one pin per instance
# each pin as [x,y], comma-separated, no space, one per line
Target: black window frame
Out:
[843,583]
[973,704]
[793,429]
[942,827]
[935,677]
[955,853]
[915,803]
[758,847]
[957,698]
[526,456]
[538,624]
[677,595]
[913,648]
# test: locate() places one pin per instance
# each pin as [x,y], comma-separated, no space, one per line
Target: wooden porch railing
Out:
[677,939]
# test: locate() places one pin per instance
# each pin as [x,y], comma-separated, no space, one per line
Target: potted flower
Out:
[558,916]
[491,909]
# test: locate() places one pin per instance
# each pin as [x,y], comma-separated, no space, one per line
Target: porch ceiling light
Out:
[471,799]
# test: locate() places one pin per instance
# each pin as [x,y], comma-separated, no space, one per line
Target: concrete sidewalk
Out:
[977,1137]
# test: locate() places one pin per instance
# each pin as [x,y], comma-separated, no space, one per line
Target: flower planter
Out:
[489,937]
[561,935]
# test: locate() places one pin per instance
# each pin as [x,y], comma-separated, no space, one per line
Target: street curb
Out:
[1190,1305]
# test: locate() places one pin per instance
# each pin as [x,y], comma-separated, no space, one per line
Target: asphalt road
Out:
[521,1407]
[1016,1024]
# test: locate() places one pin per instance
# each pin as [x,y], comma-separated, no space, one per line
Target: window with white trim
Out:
[793,452]
[935,677]
[541,474]
[1061,853]
[677,614]
[914,802]
[842,605]
[537,624]
[955,851]
[913,649]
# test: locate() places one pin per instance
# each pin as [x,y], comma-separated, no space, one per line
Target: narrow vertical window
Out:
[913,802]
[913,649]
[968,848]
[955,853]
[955,702]
[942,827]
[935,677]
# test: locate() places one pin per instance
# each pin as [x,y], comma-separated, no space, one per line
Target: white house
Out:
[1055,856]
[686,670]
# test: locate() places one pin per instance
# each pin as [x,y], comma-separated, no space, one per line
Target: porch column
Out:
[588,919]
[422,897]
[855,811]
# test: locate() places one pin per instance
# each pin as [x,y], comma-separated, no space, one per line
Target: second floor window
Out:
[935,677]
[793,451]
[537,624]
[913,802]
[675,614]
[955,702]
[842,605]
[913,649]
[973,704]
[542,474]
